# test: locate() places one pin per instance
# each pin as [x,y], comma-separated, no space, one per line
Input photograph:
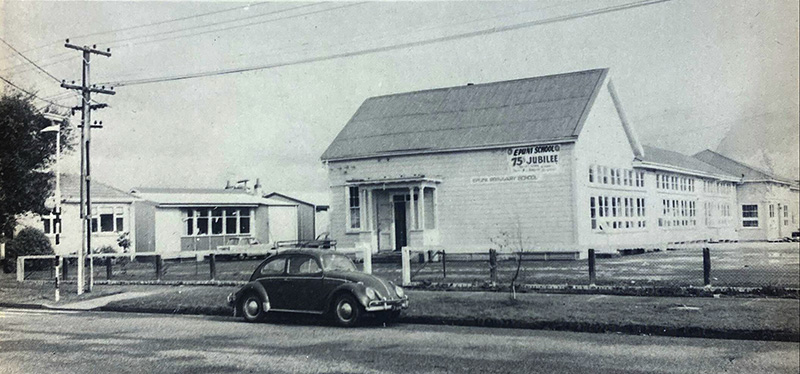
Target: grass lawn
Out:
[672,312]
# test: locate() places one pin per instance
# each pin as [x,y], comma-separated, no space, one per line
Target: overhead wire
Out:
[30,93]
[149,24]
[486,31]
[121,42]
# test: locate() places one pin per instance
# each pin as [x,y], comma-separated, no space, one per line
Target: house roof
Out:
[203,197]
[100,192]
[524,111]
[662,158]
[746,172]
[279,196]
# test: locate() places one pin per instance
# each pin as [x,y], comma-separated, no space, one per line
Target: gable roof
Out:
[279,196]
[203,197]
[100,192]
[679,162]
[746,172]
[517,112]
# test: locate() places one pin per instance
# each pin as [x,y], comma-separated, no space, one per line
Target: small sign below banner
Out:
[536,159]
[505,179]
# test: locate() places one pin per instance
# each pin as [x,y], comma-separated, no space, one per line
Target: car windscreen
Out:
[332,262]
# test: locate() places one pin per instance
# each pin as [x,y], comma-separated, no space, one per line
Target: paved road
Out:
[94,342]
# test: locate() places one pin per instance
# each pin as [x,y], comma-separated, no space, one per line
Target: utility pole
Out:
[86,140]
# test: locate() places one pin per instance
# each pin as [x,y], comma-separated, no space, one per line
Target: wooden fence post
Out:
[108,268]
[159,268]
[404,257]
[212,265]
[493,265]
[706,266]
[444,264]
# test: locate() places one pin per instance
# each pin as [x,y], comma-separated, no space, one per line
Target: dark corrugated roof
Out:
[680,161]
[736,168]
[71,190]
[494,114]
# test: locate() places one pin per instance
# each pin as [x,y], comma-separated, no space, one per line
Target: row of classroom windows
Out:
[687,184]
[615,176]
[616,213]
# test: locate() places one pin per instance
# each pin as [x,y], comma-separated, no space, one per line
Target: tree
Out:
[26,154]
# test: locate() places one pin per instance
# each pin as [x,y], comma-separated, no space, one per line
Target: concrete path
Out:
[102,301]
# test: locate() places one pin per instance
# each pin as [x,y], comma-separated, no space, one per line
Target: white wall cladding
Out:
[472,213]
[765,194]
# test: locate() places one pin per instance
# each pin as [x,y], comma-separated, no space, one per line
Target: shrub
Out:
[29,241]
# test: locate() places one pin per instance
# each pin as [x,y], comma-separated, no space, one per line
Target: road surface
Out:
[42,341]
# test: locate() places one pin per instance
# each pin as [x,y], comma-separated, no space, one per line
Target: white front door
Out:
[282,223]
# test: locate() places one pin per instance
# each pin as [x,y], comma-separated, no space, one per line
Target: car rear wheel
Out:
[252,308]
[346,310]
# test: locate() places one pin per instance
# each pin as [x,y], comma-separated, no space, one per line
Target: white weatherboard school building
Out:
[551,161]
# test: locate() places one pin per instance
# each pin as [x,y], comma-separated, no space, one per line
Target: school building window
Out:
[750,215]
[785,215]
[108,219]
[591,174]
[354,204]
[216,221]
[609,213]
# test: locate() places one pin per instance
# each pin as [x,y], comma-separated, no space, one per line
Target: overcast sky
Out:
[688,72]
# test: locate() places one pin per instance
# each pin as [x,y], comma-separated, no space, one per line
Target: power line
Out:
[148,25]
[492,30]
[171,20]
[30,93]
[119,43]
[29,60]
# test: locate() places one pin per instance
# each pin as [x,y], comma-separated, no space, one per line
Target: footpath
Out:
[744,318]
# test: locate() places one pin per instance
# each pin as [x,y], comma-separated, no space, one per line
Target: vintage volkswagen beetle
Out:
[316,282]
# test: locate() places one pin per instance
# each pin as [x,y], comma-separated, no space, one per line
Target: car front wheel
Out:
[346,310]
[252,308]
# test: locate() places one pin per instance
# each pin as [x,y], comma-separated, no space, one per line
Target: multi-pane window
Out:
[216,221]
[677,213]
[108,219]
[750,215]
[354,207]
[785,215]
[615,176]
[609,213]
[771,210]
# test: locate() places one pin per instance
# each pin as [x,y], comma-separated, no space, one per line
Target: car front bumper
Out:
[383,305]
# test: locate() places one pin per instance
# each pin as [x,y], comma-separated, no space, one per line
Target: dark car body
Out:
[315,281]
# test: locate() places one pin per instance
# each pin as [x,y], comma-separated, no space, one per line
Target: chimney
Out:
[257,188]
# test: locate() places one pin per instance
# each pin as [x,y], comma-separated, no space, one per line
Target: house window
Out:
[771,210]
[591,174]
[750,215]
[354,203]
[785,215]
[108,219]
[217,221]
[52,225]
[592,213]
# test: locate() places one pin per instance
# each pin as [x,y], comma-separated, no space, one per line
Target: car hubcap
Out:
[345,310]
[251,307]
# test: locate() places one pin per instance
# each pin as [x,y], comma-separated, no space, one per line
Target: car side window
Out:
[274,267]
[299,265]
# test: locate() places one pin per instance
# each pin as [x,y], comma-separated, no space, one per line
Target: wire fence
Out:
[725,265]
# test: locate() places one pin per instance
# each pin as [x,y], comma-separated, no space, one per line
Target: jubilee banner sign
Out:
[535,159]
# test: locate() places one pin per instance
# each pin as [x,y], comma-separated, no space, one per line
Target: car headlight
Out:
[371,293]
[399,291]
